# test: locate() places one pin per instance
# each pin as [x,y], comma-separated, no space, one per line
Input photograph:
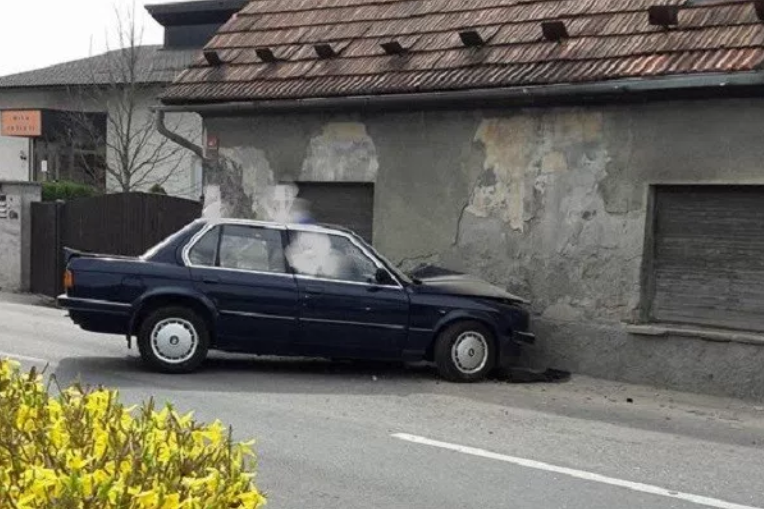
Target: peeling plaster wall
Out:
[550,203]
[536,221]
[261,153]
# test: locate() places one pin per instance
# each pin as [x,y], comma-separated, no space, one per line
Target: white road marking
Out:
[24,358]
[578,474]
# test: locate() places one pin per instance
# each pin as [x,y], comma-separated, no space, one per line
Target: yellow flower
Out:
[75,462]
[214,433]
[101,442]
[251,499]
[164,454]
[171,502]
[184,420]
[58,444]
[24,415]
[125,467]
[147,500]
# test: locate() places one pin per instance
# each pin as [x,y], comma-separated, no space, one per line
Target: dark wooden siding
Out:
[708,266]
[45,248]
[349,205]
[118,224]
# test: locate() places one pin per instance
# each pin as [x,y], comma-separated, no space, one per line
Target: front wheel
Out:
[173,340]
[465,352]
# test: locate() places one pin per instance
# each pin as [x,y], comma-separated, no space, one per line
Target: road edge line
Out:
[572,472]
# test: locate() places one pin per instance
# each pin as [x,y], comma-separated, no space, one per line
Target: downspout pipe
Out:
[175,137]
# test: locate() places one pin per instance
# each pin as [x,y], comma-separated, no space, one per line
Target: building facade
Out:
[603,161]
[43,138]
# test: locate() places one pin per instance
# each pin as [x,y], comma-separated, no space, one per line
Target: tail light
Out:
[68,280]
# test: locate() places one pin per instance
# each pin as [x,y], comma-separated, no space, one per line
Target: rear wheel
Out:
[173,340]
[465,352]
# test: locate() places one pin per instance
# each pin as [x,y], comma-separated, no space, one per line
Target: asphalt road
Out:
[382,436]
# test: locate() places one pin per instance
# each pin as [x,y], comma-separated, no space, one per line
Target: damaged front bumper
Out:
[527,338]
[512,347]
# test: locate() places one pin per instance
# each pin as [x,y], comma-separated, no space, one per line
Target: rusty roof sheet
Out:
[608,39]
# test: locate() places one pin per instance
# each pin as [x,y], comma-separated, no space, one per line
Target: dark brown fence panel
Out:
[46,246]
[120,224]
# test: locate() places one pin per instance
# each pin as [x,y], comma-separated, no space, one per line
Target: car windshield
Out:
[405,278]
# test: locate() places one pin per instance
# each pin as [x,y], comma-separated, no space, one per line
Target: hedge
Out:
[63,190]
[82,448]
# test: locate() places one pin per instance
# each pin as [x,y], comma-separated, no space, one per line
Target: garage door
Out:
[348,205]
[708,260]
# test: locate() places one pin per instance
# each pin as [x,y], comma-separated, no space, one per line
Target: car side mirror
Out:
[382,277]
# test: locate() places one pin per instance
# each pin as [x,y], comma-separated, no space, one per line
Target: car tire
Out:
[465,352]
[173,340]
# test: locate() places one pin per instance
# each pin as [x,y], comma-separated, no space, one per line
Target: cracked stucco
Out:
[237,184]
[537,221]
[538,214]
[500,190]
[343,151]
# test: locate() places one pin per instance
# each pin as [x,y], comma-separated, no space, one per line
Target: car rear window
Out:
[204,251]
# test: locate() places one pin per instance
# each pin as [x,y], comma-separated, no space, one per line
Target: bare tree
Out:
[121,83]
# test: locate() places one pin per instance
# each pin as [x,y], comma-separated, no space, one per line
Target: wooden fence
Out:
[125,224]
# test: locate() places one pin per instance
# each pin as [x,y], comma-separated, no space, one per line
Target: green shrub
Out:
[82,448]
[63,190]
[157,189]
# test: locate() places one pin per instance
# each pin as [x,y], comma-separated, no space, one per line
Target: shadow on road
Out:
[514,389]
[277,375]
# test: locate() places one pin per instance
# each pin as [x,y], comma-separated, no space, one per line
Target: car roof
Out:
[316,227]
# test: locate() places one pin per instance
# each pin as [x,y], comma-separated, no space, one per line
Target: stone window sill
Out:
[704,333]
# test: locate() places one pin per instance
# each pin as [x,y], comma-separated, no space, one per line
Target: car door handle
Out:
[213,280]
[314,289]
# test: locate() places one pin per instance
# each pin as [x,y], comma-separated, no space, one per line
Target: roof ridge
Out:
[156,66]
[69,62]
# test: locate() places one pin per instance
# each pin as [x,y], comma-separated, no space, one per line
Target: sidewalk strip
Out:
[578,474]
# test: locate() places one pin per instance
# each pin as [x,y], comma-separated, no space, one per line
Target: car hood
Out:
[463,284]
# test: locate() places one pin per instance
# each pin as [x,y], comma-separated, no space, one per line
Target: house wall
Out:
[14,158]
[15,233]
[178,170]
[183,170]
[550,203]
[12,165]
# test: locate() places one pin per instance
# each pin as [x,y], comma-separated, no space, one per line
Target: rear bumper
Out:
[97,315]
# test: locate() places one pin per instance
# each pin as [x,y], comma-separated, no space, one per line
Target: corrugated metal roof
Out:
[609,39]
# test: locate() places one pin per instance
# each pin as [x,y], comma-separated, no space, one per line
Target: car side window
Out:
[252,248]
[205,250]
[330,257]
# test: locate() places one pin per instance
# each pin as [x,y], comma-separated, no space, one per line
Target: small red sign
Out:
[26,123]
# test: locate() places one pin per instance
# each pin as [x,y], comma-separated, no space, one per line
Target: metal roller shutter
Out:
[708,259]
[342,204]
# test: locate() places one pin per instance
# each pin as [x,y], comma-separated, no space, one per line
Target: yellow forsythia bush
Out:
[81,449]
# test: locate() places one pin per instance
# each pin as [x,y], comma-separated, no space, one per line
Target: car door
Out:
[343,312]
[243,270]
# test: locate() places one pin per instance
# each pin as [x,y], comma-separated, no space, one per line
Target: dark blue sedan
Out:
[290,290]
